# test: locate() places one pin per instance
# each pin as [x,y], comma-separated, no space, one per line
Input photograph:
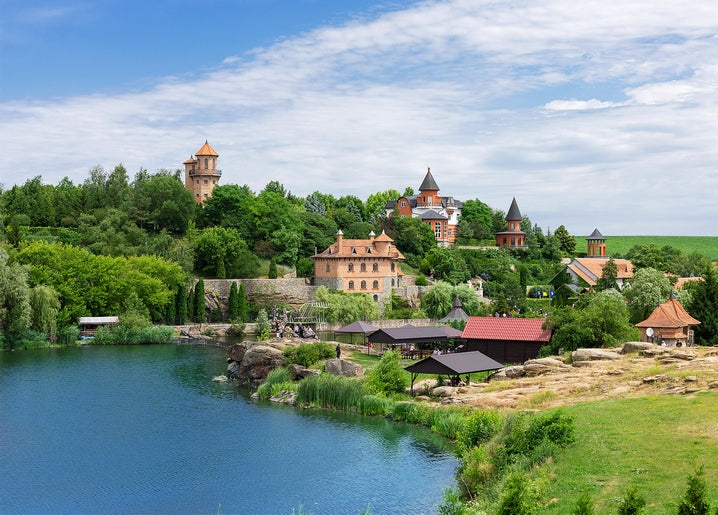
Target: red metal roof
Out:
[509,329]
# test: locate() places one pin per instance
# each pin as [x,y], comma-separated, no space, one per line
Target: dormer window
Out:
[368,250]
[354,250]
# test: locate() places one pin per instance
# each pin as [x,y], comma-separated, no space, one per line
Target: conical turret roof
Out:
[596,235]
[428,184]
[206,150]
[514,213]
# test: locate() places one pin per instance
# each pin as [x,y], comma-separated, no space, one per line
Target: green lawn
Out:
[706,245]
[649,442]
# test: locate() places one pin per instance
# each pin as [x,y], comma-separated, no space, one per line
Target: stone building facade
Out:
[360,266]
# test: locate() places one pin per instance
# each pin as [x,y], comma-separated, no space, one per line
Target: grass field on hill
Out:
[706,245]
[649,442]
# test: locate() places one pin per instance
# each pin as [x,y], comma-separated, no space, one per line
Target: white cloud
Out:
[487,94]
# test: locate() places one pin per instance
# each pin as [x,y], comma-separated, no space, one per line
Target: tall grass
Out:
[277,380]
[447,421]
[329,391]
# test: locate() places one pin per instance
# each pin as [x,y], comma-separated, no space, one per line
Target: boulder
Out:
[536,369]
[513,371]
[593,355]
[258,361]
[340,367]
[442,391]
[548,362]
[285,397]
[220,379]
[630,347]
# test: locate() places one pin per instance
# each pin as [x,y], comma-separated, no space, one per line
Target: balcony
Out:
[192,173]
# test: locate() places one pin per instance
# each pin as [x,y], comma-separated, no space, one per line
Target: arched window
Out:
[363,285]
[363,267]
[329,267]
[375,267]
[351,267]
[206,163]
[351,285]
[393,267]
[376,298]
[375,285]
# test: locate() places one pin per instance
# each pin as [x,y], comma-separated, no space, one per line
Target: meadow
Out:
[706,245]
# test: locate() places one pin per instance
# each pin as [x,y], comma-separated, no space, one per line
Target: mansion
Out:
[441,213]
[359,266]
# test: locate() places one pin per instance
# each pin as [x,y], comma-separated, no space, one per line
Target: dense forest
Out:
[133,246]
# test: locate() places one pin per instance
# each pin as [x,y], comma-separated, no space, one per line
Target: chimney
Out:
[340,241]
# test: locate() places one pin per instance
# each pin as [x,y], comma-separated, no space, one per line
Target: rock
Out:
[681,354]
[690,379]
[511,372]
[654,379]
[258,361]
[220,379]
[340,367]
[619,391]
[285,397]
[442,391]
[308,372]
[713,385]
[593,355]
[535,369]
[630,347]
[548,362]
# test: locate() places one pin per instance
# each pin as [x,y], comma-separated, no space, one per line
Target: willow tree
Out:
[45,306]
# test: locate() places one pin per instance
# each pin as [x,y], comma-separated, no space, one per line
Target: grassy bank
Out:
[648,442]
[706,245]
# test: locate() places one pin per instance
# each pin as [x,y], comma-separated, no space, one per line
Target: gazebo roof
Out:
[408,334]
[670,314]
[456,363]
[358,328]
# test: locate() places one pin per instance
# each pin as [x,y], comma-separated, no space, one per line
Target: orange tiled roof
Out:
[361,248]
[206,150]
[670,314]
[510,329]
[190,161]
[590,269]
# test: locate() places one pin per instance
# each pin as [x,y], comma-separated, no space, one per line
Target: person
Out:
[339,351]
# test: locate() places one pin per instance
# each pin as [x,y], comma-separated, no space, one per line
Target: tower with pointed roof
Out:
[441,213]
[596,244]
[513,237]
[201,174]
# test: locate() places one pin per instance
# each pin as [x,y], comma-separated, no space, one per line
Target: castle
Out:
[201,174]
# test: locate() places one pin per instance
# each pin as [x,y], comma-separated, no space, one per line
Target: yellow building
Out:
[359,266]
[201,174]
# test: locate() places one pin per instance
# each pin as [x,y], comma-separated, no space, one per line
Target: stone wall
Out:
[293,291]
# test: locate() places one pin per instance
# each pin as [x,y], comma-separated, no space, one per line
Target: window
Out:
[329,267]
[504,241]
[368,250]
[363,267]
[351,285]
[376,298]
[375,267]
[206,163]
[403,203]
[392,281]
[512,226]
[351,267]
[363,285]
[213,163]
[206,195]
[375,285]
[513,242]
[354,251]
[437,229]
[393,267]
[206,181]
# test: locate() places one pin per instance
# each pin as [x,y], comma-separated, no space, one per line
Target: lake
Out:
[143,429]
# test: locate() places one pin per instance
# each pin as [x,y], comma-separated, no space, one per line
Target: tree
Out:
[609,276]
[199,302]
[376,204]
[438,300]
[645,256]
[649,287]
[632,503]
[15,310]
[219,245]
[272,274]
[566,242]
[388,376]
[694,500]
[181,304]
[45,305]
[243,306]
[704,307]
[233,303]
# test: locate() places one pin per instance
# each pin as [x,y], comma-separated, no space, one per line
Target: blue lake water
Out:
[142,429]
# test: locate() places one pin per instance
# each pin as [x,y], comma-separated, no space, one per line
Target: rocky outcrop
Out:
[581,357]
[631,347]
[249,361]
[340,367]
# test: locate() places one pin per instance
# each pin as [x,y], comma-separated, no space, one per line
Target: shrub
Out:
[329,391]
[68,335]
[583,505]
[410,412]
[277,379]
[515,498]
[307,354]
[477,469]
[694,500]
[421,280]
[446,421]
[632,503]
[374,405]
[478,428]
[388,376]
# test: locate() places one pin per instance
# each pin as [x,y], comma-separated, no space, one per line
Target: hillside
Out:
[706,245]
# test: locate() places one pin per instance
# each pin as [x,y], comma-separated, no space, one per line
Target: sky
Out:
[592,114]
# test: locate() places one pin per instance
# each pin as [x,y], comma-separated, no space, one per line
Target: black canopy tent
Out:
[357,328]
[407,334]
[452,365]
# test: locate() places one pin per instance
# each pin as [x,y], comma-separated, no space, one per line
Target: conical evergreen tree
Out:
[199,305]
[694,500]
[233,303]
[191,314]
[704,307]
[243,305]
[272,274]
[221,273]
[181,304]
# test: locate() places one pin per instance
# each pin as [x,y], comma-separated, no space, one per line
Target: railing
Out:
[205,172]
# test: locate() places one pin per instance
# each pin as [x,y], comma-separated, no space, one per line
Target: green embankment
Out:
[706,245]
[649,442]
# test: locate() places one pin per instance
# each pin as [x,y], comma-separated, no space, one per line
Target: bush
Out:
[388,376]
[329,391]
[307,354]
[583,505]
[278,379]
[515,498]
[446,421]
[68,335]
[411,412]
[694,500]
[374,405]
[478,428]
[632,503]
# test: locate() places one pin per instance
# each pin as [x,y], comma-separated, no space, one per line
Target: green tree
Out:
[219,245]
[199,302]
[609,276]
[272,274]
[694,500]
[645,256]
[515,497]
[632,503]
[704,307]
[45,305]
[181,304]
[375,205]
[437,302]
[566,242]
[649,287]
[15,309]
[388,376]
[233,303]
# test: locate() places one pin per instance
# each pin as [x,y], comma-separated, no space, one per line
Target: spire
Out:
[428,184]
[514,213]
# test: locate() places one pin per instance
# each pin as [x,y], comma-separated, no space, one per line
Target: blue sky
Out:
[592,114]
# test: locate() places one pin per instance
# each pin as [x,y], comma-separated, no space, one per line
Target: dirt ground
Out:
[656,372]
